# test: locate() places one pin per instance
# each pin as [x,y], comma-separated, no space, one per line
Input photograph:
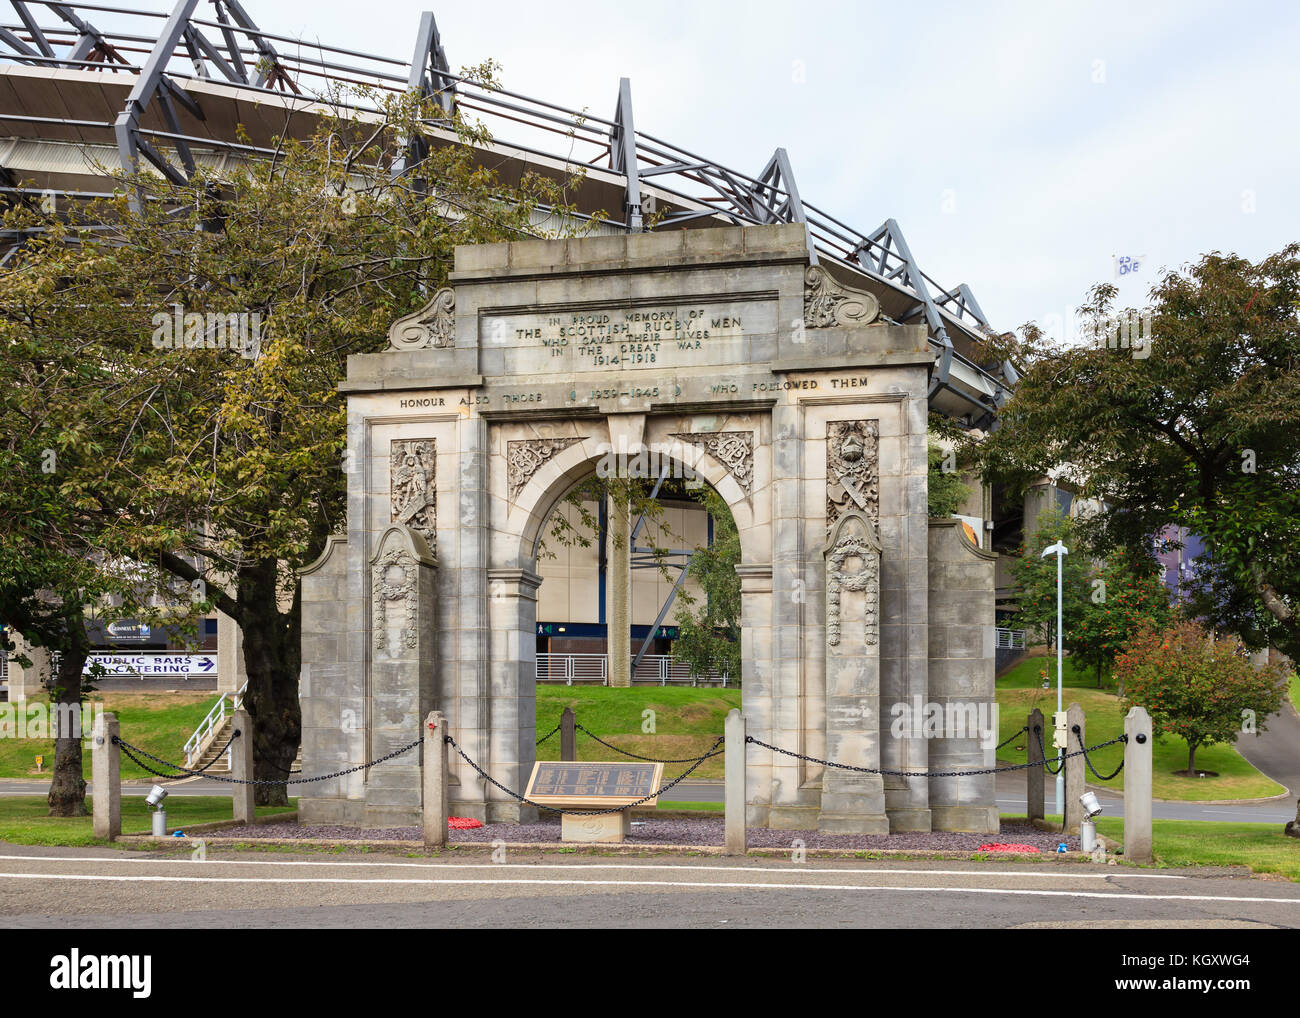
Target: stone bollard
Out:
[1036,777]
[1075,768]
[106,777]
[733,759]
[241,767]
[568,735]
[435,780]
[1137,786]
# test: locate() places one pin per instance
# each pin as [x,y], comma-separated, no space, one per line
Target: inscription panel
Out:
[556,782]
[629,337]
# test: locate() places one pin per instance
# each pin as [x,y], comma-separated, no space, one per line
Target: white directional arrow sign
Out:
[157,664]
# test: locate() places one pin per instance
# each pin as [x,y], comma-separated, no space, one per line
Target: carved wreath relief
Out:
[827,302]
[526,456]
[733,449]
[412,489]
[394,579]
[853,563]
[852,469]
[434,325]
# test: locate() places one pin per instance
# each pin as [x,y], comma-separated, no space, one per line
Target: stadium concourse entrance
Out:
[729,355]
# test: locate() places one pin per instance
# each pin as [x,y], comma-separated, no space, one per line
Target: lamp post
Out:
[1059,550]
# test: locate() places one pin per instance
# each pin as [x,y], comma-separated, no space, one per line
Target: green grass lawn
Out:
[687,722]
[24,819]
[1020,691]
[1262,847]
[1294,685]
[157,722]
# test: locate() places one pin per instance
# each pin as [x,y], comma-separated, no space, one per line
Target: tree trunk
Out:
[67,796]
[271,657]
[1191,759]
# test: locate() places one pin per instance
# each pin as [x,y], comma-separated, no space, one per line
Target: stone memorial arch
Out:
[724,351]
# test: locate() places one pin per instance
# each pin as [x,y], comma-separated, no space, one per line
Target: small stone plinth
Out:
[607,828]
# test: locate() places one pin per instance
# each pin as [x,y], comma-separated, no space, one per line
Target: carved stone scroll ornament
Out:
[853,563]
[733,449]
[526,456]
[434,325]
[827,302]
[412,485]
[852,469]
[394,578]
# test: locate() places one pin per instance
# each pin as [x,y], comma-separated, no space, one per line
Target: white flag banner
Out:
[1127,265]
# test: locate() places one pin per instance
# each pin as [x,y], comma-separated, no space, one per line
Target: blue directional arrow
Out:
[206,664]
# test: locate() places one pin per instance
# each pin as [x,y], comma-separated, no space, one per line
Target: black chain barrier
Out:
[131,752]
[584,813]
[1038,731]
[924,774]
[1078,735]
[219,754]
[636,756]
[1012,739]
[548,735]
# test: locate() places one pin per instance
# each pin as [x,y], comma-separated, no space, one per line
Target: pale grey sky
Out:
[1019,145]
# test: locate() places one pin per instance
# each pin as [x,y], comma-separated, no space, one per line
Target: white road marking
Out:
[587,866]
[710,885]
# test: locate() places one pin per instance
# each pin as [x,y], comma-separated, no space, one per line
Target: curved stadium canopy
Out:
[87,89]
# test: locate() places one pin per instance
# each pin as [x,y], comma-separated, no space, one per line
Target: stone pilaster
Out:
[961,615]
[512,611]
[403,651]
[853,802]
[618,593]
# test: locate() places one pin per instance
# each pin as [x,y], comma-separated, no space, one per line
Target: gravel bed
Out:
[669,832]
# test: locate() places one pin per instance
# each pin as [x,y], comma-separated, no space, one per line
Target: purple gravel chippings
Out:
[672,832]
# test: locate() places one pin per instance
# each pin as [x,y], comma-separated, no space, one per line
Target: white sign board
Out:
[161,664]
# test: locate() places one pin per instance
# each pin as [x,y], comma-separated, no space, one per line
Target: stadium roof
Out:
[87,89]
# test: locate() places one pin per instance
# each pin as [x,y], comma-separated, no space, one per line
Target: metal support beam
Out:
[622,155]
[429,78]
[890,241]
[127,126]
[33,29]
[663,612]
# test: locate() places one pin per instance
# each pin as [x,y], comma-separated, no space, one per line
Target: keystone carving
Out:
[828,302]
[434,325]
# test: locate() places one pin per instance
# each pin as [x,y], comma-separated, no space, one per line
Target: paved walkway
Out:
[1276,752]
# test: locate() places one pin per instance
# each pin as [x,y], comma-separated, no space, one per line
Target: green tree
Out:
[223,464]
[1197,685]
[1197,426]
[1035,578]
[57,389]
[708,634]
[1125,597]
[947,493]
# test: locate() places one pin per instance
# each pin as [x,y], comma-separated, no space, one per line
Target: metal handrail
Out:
[660,668]
[216,717]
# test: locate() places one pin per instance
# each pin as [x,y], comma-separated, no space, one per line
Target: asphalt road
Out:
[1276,751]
[102,888]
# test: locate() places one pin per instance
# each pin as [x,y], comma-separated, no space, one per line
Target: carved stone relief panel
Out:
[413,491]
[526,456]
[733,449]
[852,470]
